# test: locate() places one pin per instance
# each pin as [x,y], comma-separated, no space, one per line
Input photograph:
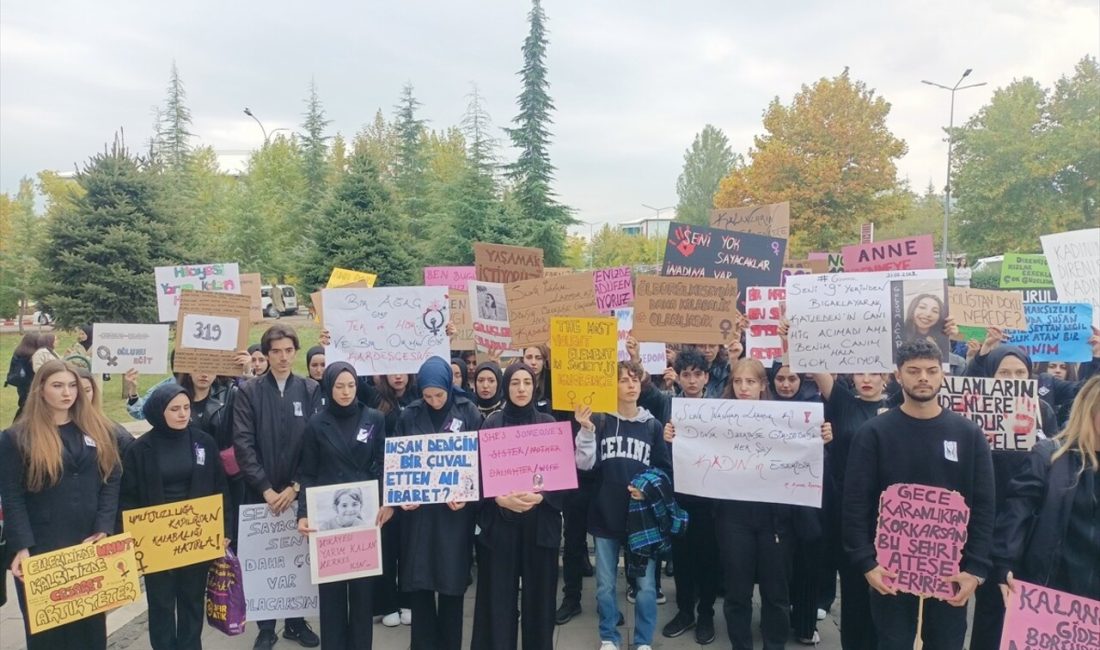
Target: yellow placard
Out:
[343,277]
[176,534]
[584,359]
[79,581]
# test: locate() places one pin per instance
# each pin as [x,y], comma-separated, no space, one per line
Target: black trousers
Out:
[345,623]
[177,605]
[805,587]
[750,556]
[989,617]
[387,597]
[436,626]
[896,621]
[86,634]
[499,571]
[575,534]
[857,627]
[695,554]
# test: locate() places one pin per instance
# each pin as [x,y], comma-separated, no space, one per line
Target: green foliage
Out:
[706,163]
[172,142]
[921,215]
[314,149]
[20,239]
[411,162]
[612,247]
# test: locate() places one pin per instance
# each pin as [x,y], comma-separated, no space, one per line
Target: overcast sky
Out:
[633,80]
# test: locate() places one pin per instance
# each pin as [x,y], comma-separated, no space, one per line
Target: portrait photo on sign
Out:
[346,505]
[924,314]
[490,304]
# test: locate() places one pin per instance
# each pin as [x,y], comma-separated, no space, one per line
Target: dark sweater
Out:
[174,460]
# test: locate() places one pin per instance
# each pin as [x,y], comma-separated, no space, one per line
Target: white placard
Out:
[118,347]
[653,356]
[764,307]
[210,332]
[172,280]
[770,452]
[347,544]
[1074,261]
[489,314]
[274,559]
[432,468]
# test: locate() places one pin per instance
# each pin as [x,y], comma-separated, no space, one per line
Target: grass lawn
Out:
[113,402]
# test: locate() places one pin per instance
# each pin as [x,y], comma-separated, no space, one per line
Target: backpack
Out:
[19,373]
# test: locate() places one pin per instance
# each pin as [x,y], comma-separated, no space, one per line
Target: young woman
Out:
[344,443]
[123,438]
[1059,370]
[259,359]
[488,388]
[80,353]
[436,540]
[20,370]
[718,356]
[925,321]
[519,540]
[45,351]
[174,461]
[458,375]
[537,358]
[963,273]
[59,482]
[315,362]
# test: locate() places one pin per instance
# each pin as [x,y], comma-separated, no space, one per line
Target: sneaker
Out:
[704,630]
[265,641]
[631,595]
[661,600]
[393,619]
[814,640]
[607,645]
[679,624]
[568,611]
[406,616]
[821,614]
[303,634]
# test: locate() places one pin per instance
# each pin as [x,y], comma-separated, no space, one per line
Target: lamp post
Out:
[950,142]
[249,113]
[658,211]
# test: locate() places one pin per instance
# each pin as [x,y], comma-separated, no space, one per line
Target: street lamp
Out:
[249,113]
[950,142]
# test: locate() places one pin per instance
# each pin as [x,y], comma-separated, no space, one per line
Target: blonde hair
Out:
[1081,434]
[752,367]
[40,441]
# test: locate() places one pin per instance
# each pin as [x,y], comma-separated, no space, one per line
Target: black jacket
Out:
[268,430]
[328,458]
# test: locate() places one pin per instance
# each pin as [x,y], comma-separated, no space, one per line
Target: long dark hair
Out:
[27,346]
[388,401]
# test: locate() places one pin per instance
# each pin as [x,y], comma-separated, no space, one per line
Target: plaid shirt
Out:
[652,521]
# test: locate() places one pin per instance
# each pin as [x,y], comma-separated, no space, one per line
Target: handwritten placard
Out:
[584,363]
[454,277]
[1074,260]
[431,468]
[764,307]
[773,220]
[614,289]
[909,253]
[1007,410]
[388,330]
[532,303]
[501,263]
[1055,332]
[531,458]
[122,346]
[176,534]
[343,277]
[984,308]
[1040,618]
[275,564]
[654,360]
[762,451]
[685,310]
[555,271]
[489,316]
[209,332]
[172,281]
[920,536]
[698,252]
[1025,271]
[79,581]
[347,543]
[205,317]
[460,317]
[251,287]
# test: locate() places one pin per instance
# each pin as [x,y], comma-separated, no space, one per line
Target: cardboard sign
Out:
[79,581]
[654,360]
[584,363]
[907,254]
[532,303]
[454,277]
[983,308]
[1074,259]
[250,286]
[432,468]
[343,277]
[500,263]
[764,307]
[211,344]
[460,317]
[695,252]
[920,536]
[614,289]
[1040,618]
[121,346]
[177,534]
[318,307]
[556,271]
[685,310]
[172,281]
[773,219]
[1025,271]
[489,315]
[1055,332]
[1007,410]
[769,452]
[815,266]
[531,458]
[347,543]
[275,564]
[389,330]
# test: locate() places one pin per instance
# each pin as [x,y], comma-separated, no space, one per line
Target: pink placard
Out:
[614,290]
[531,458]
[1038,618]
[454,277]
[921,534]
[910,253]
[342,555]
[764,307]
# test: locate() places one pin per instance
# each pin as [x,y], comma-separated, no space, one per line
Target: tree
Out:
[173,140]
[1075,124]
[410,164]
[379,141]
[831,155]
[476,125]
[923,215]
[613,247]
[19,253]
[706,163]
[314,149]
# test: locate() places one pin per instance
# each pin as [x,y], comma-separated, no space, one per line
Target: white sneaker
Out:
[406,616]
[393,619]
[607,645]
[821,614]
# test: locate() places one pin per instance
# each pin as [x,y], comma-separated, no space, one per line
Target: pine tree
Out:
[477,125]
[314,149]
[410,165]
[174,137]
[706,163]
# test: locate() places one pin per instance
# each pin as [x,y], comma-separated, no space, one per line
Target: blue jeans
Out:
[607,606]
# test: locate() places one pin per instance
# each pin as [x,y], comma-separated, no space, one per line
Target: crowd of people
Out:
[66,472]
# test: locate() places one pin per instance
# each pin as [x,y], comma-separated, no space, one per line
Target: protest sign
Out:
[815,266]
[854,322]
[773,220]
[212,328]
[455,277]
[1025,271]
[654,360]
[920,536]
[177,534]
[122,346]
[171,281]
[984,308]
[907,254]
[769,452]
[500,263]
[1040,618]
[347,543]
[1074,260]
[614,289]
[529,458]
[275,563]
[685,310]
[697,252]
[1007,410]
[764,308]
[432,468]
[532,303]
[388,330]
[79,581]
[1056,332]
[556,271]
[460,317]
[489,316]
[343,277]
[584,363]
[250,286]
[835,263]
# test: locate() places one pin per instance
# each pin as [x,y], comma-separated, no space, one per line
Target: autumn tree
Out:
[706,163]
[613,247]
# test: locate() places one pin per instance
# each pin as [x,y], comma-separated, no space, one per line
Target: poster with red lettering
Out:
[1038,618]
[908,254]
[920,537]
[764,307]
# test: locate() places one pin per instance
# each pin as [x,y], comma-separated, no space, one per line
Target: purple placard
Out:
[614,289]
[529,458]
[454,277]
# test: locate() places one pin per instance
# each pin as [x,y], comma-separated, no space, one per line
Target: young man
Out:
[919,442]
[269,421]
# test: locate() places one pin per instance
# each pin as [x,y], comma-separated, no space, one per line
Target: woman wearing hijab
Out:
[458,374]
[436,540]
[315,362]
[174,461]
[344,443]
[489,388]
[81,351]
[519,539]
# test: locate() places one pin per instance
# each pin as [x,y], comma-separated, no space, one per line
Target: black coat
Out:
[328,458]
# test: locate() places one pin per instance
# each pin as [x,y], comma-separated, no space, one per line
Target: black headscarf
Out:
[153,408]
[515,415]
[997,355]
[807,391]
[87,342]
[328,382]
[312,352]
[487,405]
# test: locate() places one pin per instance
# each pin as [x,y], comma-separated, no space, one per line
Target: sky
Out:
[633,81]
